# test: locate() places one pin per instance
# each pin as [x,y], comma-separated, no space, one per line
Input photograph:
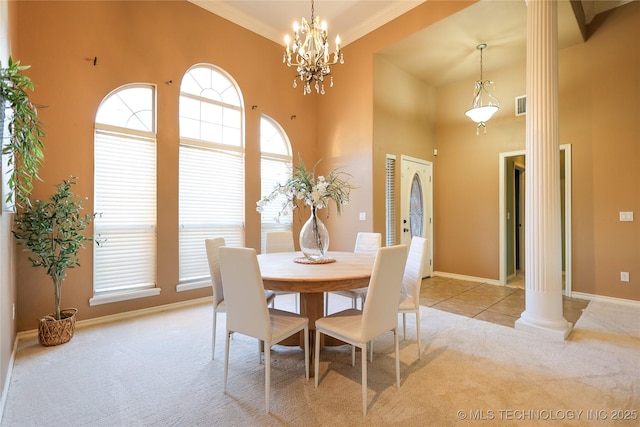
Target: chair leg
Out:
[226,360]
[326,303]
[371,351]
[316,362]
[404,326]
[213,335]
[353,355]
[306,352]
[418,334]
[364,379]
[395,337]
[267,373]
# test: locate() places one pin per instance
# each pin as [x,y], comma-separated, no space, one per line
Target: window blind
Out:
[390,200]
[273,171]
[211,200]
[125,203]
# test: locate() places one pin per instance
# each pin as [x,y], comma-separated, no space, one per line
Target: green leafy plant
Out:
[24,143]
[54,231]
[304,188]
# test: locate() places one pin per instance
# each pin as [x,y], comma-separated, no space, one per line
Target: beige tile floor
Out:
[496,304]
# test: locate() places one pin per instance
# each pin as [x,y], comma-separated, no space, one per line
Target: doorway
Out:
[416,204]
[512,232]
[515,195]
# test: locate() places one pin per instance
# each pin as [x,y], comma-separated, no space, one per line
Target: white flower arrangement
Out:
[304,189]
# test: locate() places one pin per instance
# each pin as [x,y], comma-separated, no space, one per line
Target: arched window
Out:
[125,192]
[275,167]
[211,176]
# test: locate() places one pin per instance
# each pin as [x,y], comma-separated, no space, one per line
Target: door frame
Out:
[519,249]
[567,216]
[427,203]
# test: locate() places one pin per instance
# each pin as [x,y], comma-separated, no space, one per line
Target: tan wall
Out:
[598,116]
[603,123]
[346,121]
[466,185]
[404,116]
[151,42]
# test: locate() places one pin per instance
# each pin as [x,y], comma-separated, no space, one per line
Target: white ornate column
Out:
[543,253]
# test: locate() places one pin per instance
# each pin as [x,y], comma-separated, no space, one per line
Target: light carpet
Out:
[156,370]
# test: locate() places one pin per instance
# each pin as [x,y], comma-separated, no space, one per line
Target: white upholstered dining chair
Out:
[366,243]
[378,316]
[280,241]
[411,284]
[247,311]
[213,245]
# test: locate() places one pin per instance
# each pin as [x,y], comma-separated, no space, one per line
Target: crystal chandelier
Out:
[310,54]
[483,109]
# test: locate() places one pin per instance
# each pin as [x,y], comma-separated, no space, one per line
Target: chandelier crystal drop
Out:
[310,54]
[485,105]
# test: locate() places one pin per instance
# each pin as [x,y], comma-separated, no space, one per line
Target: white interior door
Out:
[416,204]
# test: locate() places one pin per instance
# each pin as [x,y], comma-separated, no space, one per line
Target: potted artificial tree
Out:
[54,232]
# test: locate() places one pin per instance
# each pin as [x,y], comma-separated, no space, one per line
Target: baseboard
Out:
[126,315]
[467,278]
[593,297]
[5,387]
[579,295]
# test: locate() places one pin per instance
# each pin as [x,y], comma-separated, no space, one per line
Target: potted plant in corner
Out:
[54,232]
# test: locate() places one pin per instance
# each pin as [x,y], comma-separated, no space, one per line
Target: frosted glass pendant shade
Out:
[481,114]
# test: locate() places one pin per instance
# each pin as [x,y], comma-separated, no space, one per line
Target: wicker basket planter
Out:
[55,332]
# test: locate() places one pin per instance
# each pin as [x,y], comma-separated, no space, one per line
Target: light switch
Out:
[626,216]
[363,216]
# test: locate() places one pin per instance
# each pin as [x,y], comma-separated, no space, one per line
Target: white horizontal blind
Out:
[273,171]
[390,199]
[125,201]
[211,168]
[211,205]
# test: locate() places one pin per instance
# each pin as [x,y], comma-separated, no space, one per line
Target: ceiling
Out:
[440,54]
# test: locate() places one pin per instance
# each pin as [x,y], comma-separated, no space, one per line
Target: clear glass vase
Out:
[314,238]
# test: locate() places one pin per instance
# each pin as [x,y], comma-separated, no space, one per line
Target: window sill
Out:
[191,286]
[123,296]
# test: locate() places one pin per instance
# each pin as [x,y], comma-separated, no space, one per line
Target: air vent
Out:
[521,105]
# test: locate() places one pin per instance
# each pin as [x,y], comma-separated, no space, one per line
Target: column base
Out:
[557,331]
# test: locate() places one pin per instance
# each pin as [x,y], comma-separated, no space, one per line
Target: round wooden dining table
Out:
[281,273]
